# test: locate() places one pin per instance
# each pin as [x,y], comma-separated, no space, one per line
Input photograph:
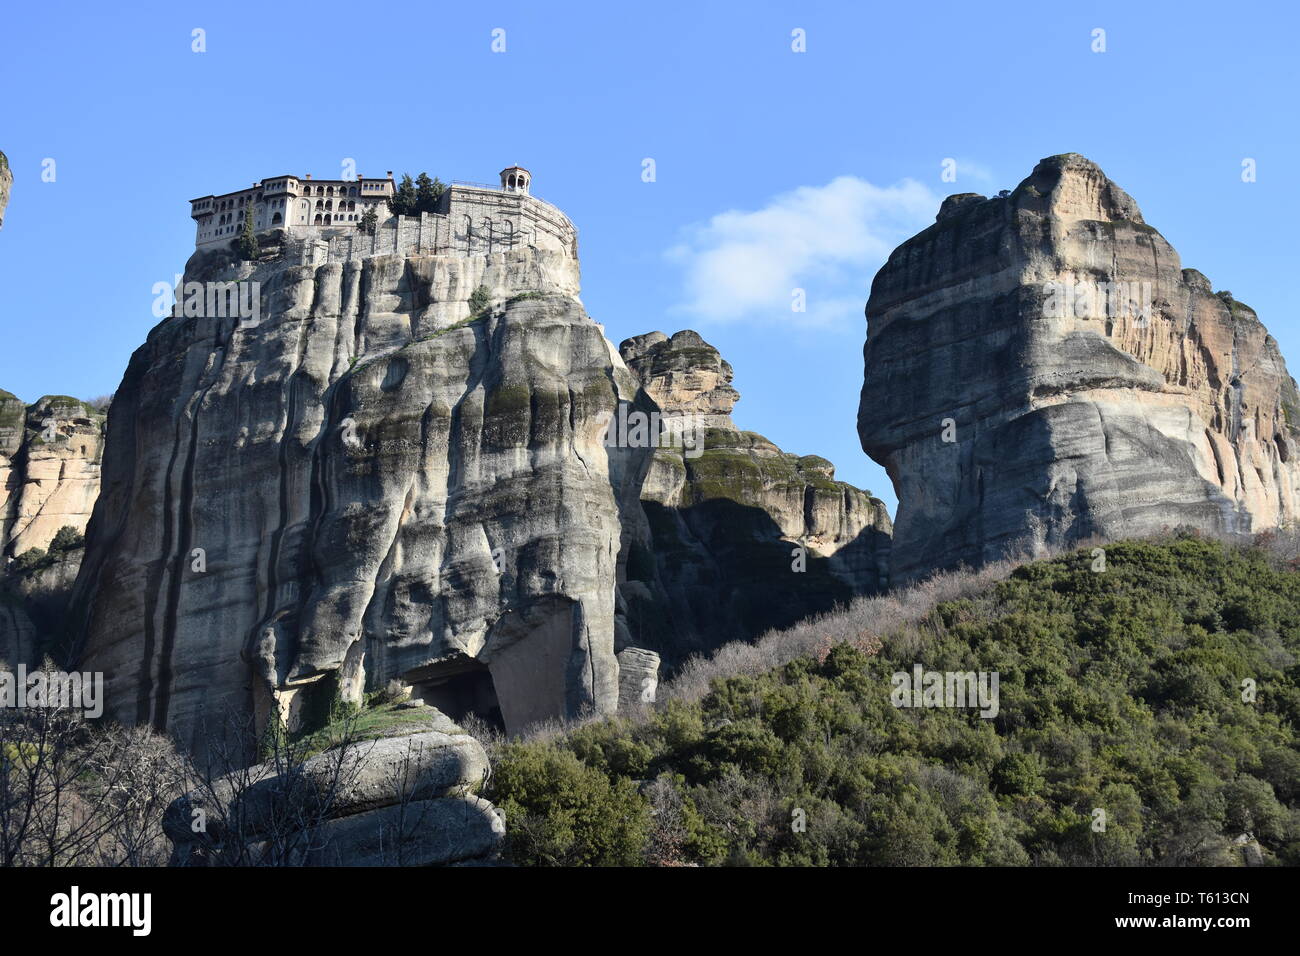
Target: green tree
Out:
[369,219]
[562,813]
[67,538]
[404,201]
[30,560]
[1120,699]
[428,192]
[246,245]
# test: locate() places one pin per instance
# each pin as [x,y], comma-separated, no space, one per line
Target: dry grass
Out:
[866,623]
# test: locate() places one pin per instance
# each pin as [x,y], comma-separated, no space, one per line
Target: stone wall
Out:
[471,221]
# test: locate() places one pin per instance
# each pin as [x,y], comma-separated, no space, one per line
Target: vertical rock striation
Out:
[370,483]
[1014,408]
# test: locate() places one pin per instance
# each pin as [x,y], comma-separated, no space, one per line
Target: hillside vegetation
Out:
[1127,733]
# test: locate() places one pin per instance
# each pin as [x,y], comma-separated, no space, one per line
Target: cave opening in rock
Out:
[458,688]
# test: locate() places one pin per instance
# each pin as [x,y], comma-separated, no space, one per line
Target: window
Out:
[276,218]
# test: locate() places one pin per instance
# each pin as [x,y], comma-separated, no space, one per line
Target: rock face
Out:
[367,483]
[33,605]
[1041,370]
[638,677]
[6,181]
[49,469]
[726,521]
[49,479]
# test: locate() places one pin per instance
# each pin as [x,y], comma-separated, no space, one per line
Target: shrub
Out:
[32,559]
[1120,691]
[67,538]
[560,812]
[479,300]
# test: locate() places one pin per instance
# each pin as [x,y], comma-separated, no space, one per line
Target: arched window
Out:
[316,221]
[327,219]
[276,219]
[352,190]
[351,205]
[329,191]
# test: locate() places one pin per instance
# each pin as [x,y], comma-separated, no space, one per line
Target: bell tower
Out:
[516,179]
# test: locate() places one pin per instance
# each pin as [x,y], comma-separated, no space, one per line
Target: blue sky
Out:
[773,169]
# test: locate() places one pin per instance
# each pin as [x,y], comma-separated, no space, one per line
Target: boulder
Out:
[346,806]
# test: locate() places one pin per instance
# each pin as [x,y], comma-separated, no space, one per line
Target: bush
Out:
[479,300]
[30,560]
[67,538]
[562,813]
[1119,692]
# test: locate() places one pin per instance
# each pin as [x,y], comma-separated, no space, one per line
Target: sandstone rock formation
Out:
[1041,370]
[406,799]
[369,483]
[725,522]
[49,479]
[638,677]
[6,182]
[49,469]
[13,429]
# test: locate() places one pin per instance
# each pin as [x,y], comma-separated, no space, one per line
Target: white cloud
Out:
[828,240]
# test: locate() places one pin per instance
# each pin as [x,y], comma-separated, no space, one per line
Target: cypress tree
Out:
[428,192]
[404,202]
[246,245]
